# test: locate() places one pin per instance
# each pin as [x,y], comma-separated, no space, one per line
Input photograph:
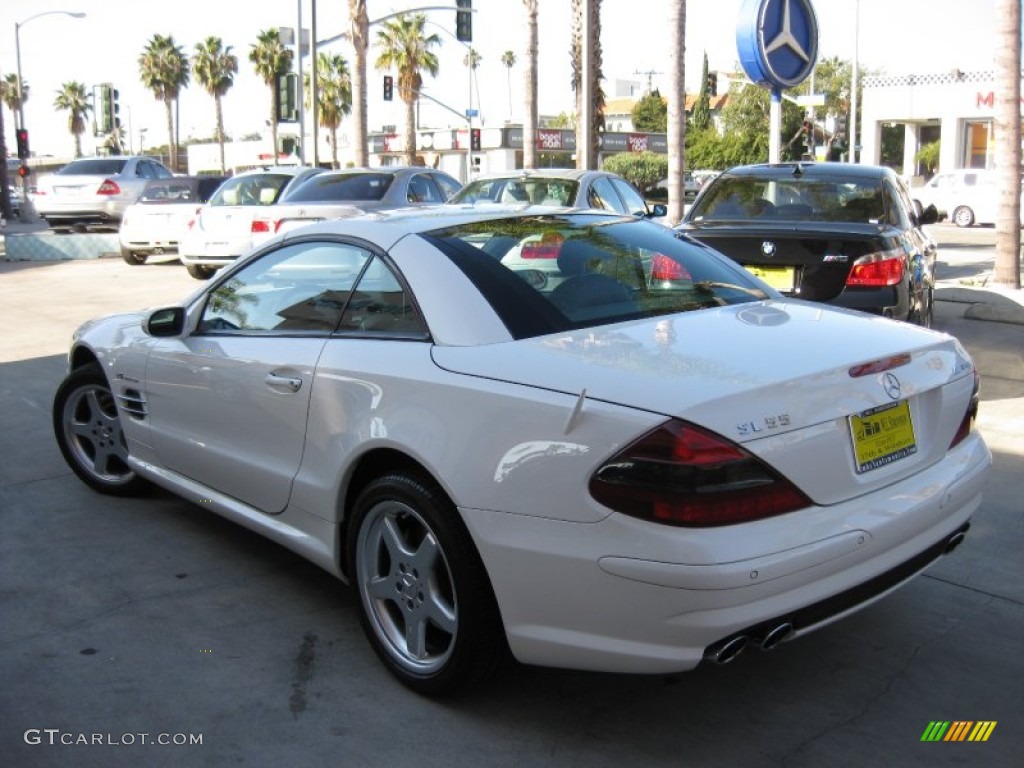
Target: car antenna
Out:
[798,170]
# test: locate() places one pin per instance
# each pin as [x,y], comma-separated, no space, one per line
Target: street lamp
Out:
[17,52]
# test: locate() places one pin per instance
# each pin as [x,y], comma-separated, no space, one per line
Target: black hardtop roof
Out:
[812,170]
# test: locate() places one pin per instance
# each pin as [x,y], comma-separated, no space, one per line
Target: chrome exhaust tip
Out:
[776,635]
[954,541]
[726,650]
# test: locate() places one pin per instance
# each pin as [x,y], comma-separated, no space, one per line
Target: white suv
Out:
[966,195]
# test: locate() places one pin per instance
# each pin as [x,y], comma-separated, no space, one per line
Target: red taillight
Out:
[877,270]
[680,474]
[666,268]
[967,423]
[547,248]
[108,187]
[260,225]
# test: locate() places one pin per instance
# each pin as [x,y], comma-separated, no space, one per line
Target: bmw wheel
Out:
[427,605]
[963,216]
[199,272]
[88,430]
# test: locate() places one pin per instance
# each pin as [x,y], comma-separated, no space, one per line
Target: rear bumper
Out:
[78,210]
[624,595]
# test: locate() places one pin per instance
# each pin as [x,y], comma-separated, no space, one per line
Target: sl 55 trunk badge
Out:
[768,248]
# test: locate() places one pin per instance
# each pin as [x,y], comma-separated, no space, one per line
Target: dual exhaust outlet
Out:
[726,650]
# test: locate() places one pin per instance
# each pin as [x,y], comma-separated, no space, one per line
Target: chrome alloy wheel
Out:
[407,587]
[93,433]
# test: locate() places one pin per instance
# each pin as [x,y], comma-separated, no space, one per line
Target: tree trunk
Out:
[360,34]
[676,109]
[1007,142]
[220,133]
[410,131]
[273,123]
[172,147]
[530,120]
[334,148]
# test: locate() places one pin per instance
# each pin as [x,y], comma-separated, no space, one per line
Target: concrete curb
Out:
[991,303]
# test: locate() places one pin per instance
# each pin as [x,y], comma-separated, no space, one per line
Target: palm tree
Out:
[163,67]
[586,156]
[472,60]
[215,67]
[508,59]
[530,122]
[1007,137]
[71,98]
[406,48]
[11,96]
[676,108]
[359,32]
[271,60]
[334,95]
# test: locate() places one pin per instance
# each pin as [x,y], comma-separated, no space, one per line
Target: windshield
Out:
[251,189]
[519,189]
[348,187]
[792,198]
[97,166]
[546,274]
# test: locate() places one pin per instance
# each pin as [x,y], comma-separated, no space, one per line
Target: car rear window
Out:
[349,187]
[94,166]
[170,191]
[548,274]
[792,198]
[251,189]
[517,189]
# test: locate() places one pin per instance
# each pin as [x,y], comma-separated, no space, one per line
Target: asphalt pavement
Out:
[132,622]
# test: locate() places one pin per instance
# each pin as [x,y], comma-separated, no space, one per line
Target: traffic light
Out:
[712,83]
[287,104]
[464,21]
[389,88]
[22,135]
[106,110]
[24,171]
[115,109]
[474,139]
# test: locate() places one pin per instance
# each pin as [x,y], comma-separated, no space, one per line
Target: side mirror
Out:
[929,215]
[165,322]
[657,210]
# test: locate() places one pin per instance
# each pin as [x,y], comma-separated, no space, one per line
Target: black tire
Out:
[87,425]
[415,567]
[962,216]
[926,310]
[132,258]
[199,272]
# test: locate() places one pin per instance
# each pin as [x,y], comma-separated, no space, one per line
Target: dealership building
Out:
[956,108]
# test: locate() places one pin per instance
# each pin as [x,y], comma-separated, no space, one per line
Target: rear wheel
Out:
[925,310]
[88,430]
[130,257]
[199,272]
[963,216]
[427,605]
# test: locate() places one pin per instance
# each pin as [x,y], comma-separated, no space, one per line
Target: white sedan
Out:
[631,457]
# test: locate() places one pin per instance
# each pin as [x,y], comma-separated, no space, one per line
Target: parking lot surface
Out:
[133,628]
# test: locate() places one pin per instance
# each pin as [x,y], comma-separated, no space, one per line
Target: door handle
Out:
[283,383]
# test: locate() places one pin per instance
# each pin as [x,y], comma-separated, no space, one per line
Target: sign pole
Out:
[775,126]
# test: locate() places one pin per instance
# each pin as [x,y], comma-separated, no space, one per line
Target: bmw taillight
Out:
[108,187]
[877,269]
[967,423]
[547,247]
[681,474]
[666,268]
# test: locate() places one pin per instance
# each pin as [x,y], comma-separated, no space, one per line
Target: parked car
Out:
[652,462]
[967,196]
[847,235]
[691,186]
[94,190]
[568,187]
[155,223]
[352,191]
[222,230]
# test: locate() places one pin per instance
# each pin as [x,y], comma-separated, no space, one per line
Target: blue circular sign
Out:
[777,41]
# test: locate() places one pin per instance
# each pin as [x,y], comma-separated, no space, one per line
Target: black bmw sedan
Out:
[844,234]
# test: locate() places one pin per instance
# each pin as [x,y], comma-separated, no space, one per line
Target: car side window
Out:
[380,305]
[300,287]
[449,187]
[634,202]
[423,190]
[602,196]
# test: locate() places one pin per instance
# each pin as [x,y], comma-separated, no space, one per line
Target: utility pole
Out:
[650,78]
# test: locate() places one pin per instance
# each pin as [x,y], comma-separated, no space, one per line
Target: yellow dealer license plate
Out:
[882,435]
[780,278]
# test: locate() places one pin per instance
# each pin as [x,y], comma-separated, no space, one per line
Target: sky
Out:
[895,36]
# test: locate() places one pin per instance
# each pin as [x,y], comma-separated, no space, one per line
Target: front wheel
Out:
[199,272]
[130,257]
[427,605]
[88,430]
[963,216]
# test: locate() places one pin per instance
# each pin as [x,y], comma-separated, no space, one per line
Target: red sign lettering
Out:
[986,99]
[549,139]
